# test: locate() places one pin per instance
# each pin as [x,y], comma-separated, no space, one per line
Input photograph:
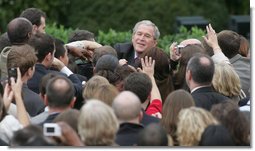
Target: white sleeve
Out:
[220,57]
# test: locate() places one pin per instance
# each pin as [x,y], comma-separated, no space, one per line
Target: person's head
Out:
[61,51]
[162,72]
[229,42]
[175,101]
[19,30]
[104,50]
[234,120]
[216,135]
[107,62]
[70,117]
[244,46]
[127,107]
[152,135]
[200,70]
[140,84]
[60,93]
[37,17]
[123,72]
[190,41]
[44,47]
[92,85]
[145,36]
[78,35]
[191,125]
[232,85]
[31,135]
[43,82]
[186,53]
[106,93]
[4,41]
[97,124]
[22,56]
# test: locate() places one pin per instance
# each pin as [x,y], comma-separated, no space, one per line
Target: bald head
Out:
[19,30]
[126,106]
[190,42]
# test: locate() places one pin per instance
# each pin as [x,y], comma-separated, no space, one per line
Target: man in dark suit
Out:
[229,42]
[199,75]
[145,36]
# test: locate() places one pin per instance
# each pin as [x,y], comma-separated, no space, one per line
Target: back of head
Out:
[153,135]
[19,30]
[33,15]
[22,56]
[106,93]
[140,84]
[60,92]
[78,35]
[126,106]
[104,50]
[92,86]
[97,124]
[148,23]
[44,81]
[43,44]
[229,42]
[225,72]
[216,135]
[175,101]
[107,62]
[70,117]
[60,48]
[244,49]
[32,135]
[202,69]
[189,132]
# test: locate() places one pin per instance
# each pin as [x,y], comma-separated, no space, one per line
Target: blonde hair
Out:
[92,85]
[191,125]
[106,93]
[226,81]
[97,124]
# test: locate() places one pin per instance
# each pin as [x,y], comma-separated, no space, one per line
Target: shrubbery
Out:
[112,36]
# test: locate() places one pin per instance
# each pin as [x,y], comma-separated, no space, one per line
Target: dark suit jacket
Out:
[126,51]
[242,67]
[127,134]
[206,97]
[41,70]
[32,101]
[50,118]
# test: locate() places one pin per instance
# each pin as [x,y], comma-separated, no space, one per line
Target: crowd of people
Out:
[82,93]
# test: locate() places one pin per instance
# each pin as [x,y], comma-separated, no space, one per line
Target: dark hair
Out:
[104,50]
[22,56]
[59,96]
[152,135]
[18,30]
[33,15]
[244,46]
[216,135]
[174,103]
[201,67]
[162,70]
[43,45]
[107,62]
[78,35]
[44,80]
[229,42]
[186,53]
[60,48]
[31,135]
[140,84]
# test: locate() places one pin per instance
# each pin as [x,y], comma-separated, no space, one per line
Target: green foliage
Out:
[112,37]
[59,32]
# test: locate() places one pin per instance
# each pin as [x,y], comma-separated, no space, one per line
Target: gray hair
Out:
[148,23]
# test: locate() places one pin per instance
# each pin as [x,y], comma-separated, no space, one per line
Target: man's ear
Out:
[45,99]
[140,116]
[49,56]
[72,102]
[34,29]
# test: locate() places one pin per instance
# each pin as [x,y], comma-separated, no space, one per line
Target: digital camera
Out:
[51,129]
[12,72]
